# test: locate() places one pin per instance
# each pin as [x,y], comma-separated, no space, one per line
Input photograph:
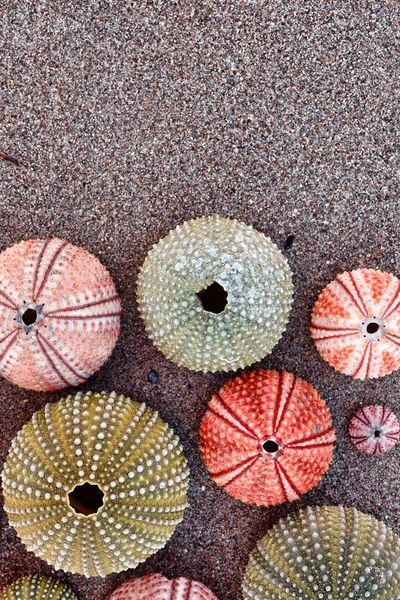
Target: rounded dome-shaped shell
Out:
[95,483]
[356,323]
[34,587]
[267,437]
[59,314]
[158,587]
[332,553]
[215,294]
[374,429]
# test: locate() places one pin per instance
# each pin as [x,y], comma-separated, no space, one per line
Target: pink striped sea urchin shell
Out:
[59,314]
[374,429]
[158,587]
[267,437]
[356,323]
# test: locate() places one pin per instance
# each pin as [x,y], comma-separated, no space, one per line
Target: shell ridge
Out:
[281,565]
[49,267]
[108,300]
[362,359]
[37,267]
[393,305]
[286,404]
[352,297]
[50,361]
[62,358]
[358,292]
[237,420]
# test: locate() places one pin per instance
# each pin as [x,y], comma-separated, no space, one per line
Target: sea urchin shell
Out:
[34,587]
[215,294]
[95,483]
[329,553]
[267,437]
[374,429]
[59,314]
[356,323]
[158,587]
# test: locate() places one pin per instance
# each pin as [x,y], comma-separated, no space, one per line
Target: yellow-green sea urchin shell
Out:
[328,553]
[222,256]
[95,483]
[34,587]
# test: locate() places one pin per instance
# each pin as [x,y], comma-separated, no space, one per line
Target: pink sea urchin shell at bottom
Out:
[158,587]
[374,429]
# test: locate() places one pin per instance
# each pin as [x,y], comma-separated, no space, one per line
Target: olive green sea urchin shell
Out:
[327,553]
[215,294]
[34,587]
[95,483]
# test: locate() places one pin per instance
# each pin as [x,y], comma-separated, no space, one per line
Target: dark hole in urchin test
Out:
[270,446]
[372,327]
[377,433]
[213,298]
[29,317]
[86,499]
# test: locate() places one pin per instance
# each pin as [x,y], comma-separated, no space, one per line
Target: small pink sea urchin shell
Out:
[356,323]
[267,437]
[158,587]
[374,429]
[59,314]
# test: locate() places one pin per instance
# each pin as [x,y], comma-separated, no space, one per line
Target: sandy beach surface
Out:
[123,120]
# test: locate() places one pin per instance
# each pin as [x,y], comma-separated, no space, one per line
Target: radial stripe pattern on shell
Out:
[158,587]
[59,314]
[215,294]
[95,483]
[374,429]
[327,553]
[267,437]
[356,323]
[34,587]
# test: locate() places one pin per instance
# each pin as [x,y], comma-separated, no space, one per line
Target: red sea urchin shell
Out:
[267,437]
[356,323]
[374,429]
[59,314]
[158,587]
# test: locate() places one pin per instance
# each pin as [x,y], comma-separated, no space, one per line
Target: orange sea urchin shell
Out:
[267,437]
[356,323]
[158,587]
[59,314]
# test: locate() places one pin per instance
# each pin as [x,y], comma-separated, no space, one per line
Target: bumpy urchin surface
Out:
[356,323]
[267,437]
[215,294]
[327,553]
[95,483]
[34,587]
[374,429]
[59,314]
[158,587]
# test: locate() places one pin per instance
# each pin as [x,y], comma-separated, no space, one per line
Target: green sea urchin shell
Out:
[34,587]
[327,553]
[95,483]
[215,294]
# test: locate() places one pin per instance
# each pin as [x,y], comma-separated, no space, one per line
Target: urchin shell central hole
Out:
[86,499]
[270,446]
[372,327]
[29,317]
[377,433]
[213,298]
